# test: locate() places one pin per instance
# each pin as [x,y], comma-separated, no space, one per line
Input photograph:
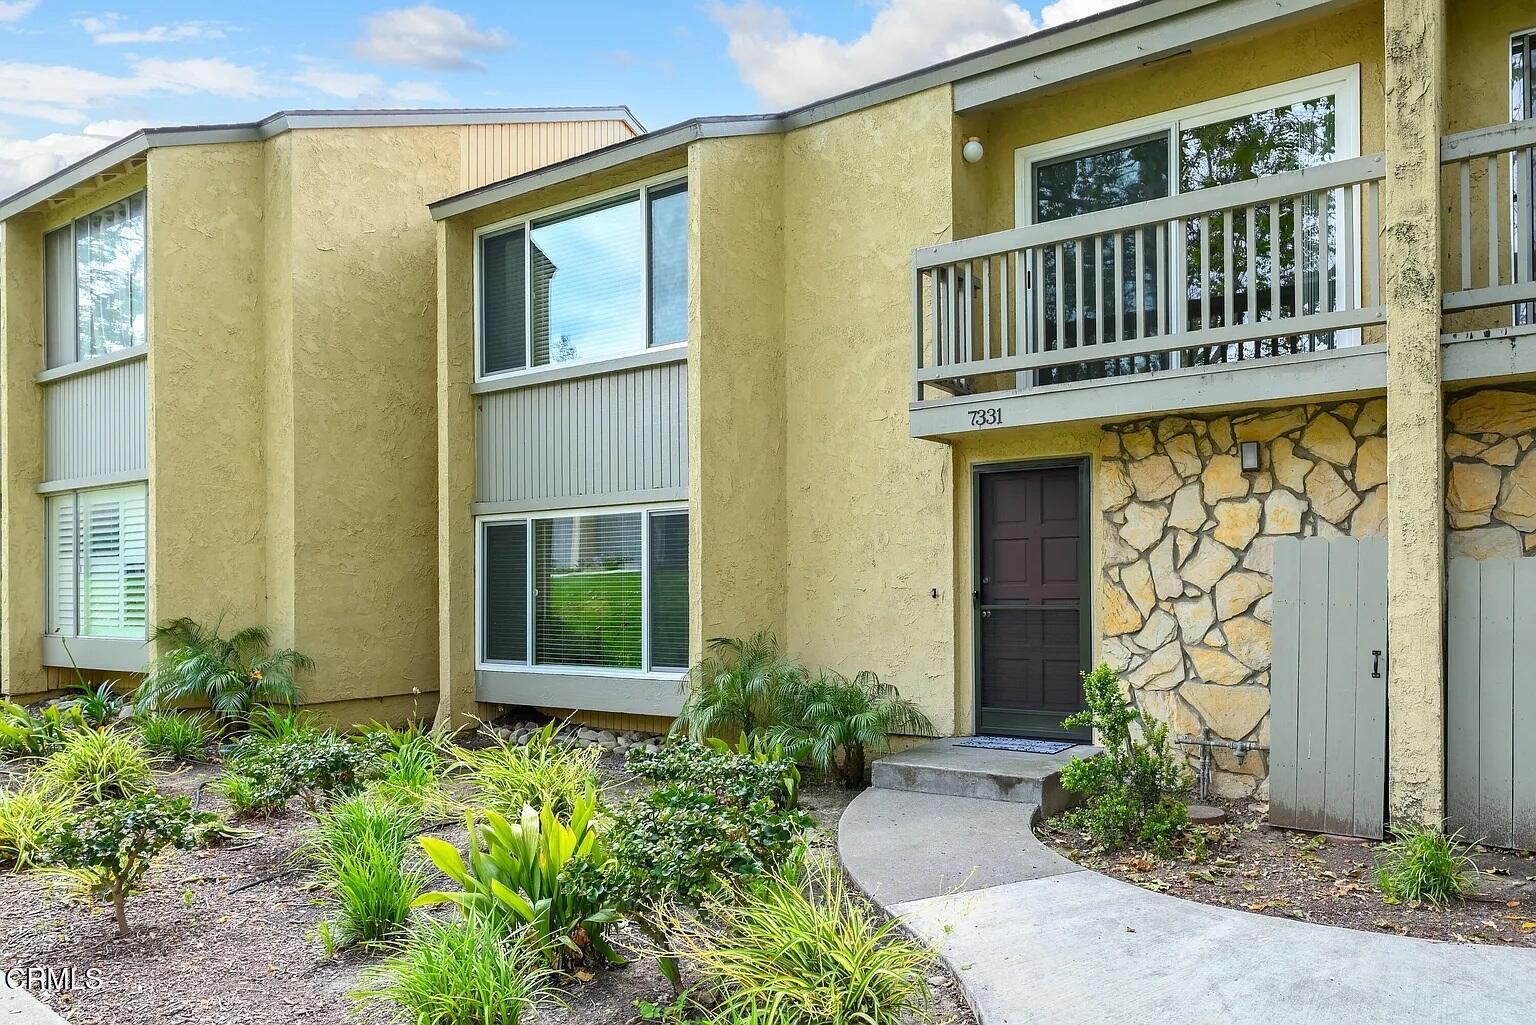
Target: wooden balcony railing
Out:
[1491,235]
[1262,268]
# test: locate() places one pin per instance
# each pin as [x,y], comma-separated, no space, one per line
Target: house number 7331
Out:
[989,417]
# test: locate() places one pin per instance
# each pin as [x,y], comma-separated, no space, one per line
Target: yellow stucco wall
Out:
[736,389]
[868,534]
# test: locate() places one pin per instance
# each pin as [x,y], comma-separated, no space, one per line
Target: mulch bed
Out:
[1254,867]
[223,935]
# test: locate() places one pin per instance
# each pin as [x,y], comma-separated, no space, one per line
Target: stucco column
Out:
[455,475]
[21,460]
[1415,87]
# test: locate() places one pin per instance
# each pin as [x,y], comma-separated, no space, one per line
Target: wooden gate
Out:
[1328,686]
[1491,700]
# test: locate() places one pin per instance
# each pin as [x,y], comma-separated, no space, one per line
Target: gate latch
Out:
[1376,664]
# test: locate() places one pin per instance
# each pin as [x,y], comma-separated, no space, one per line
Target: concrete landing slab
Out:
[18,1007]
[1080,948]
[944,767]
[900,846]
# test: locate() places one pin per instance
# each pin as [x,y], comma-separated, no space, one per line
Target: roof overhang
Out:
[1131,34]
[145,139]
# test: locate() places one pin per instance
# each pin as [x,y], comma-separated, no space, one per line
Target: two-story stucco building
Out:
[1102,344]
[218,391]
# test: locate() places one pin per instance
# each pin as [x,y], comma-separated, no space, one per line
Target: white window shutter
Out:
[61,565]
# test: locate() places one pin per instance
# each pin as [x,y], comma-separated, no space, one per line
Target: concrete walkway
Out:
[18,1007]
[1034,938]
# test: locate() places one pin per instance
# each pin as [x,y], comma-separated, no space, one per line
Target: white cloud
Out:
[425,37]
[24,161]
[61,94]
[15,10]
[106,30]
[787,67]
[367,90]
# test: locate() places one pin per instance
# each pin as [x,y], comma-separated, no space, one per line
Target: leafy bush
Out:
[263,774]
[741,685]
[839,722]
[741,777]
[234,675]
[107,848]
[518,873]
[1424,864]
[99,765]
[544,773]
[35,733]
[1132,791]
[464,971]
[26,816]
[179,735]
[98,704]
[359,847]
[777,955]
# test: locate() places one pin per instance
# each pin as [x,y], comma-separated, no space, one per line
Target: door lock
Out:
[986,613]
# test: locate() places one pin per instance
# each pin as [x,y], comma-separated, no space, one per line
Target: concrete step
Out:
[943,767]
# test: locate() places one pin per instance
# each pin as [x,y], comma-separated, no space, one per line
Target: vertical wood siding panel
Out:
[1370,711]
[1523,719]
[1285,675]
[1312,703]
[96,423]
[1340,683]
[1496,703]
[490,153]
[1463,668]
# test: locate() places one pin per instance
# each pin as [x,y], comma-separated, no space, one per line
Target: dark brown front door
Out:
[1030,610]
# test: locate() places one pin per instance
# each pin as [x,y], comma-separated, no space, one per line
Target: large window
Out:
[601,590]
[599,281]
[94,283]
[97,563]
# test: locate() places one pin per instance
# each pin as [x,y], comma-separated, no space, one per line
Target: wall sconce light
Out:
[1248,456]
[972,150]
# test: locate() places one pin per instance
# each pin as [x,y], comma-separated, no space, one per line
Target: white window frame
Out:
[1522,313]
[540,668]
[126,352]
[49,576]
[642,190]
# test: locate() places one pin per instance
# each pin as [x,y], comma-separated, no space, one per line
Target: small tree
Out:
[841,722]
[107,848]
[741,684]
[234,675]
[1132,790]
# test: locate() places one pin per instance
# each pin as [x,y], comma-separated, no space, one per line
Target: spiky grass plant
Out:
[359,848]
[180,735]
[801,949]
[27,813]
[543,773]
[99,765]
[840,723]
[1423,864]
[234,674]
[31,734]
[411,774]
[463,971]
[740,686]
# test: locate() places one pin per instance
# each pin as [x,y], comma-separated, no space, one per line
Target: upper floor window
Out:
[94,283]
[603,280]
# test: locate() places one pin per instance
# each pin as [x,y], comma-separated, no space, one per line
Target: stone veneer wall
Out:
[1185,593]
[1490,482]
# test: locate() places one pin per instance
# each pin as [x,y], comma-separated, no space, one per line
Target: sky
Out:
[76,75]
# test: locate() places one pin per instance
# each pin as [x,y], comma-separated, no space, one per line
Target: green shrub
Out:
[777,954]
[179,735]
[518,875]
[838,723]
[544,773]
[1424,864]
[410,773]
[28,733]
[1132,791]
[263,774]
[98,704]
[282,724]
[27,814]
[741,685]
[99,765]
[235,675]
[106,848]
[464,971]
[739,777]
[358,847]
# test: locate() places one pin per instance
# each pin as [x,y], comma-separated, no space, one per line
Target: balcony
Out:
[1261,290]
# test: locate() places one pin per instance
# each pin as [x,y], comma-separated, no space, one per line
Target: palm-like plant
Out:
[841,722]
[235,674]
[741,684]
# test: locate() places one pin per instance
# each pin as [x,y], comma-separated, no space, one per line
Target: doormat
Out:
[1034,747]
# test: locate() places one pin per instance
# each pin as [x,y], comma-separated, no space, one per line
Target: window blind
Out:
[504,592]
[669,589]
[503,318]
[587,590]
[59,296]
[97,563]
[668,268]
[61,565]
[587,277]
[109,278]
